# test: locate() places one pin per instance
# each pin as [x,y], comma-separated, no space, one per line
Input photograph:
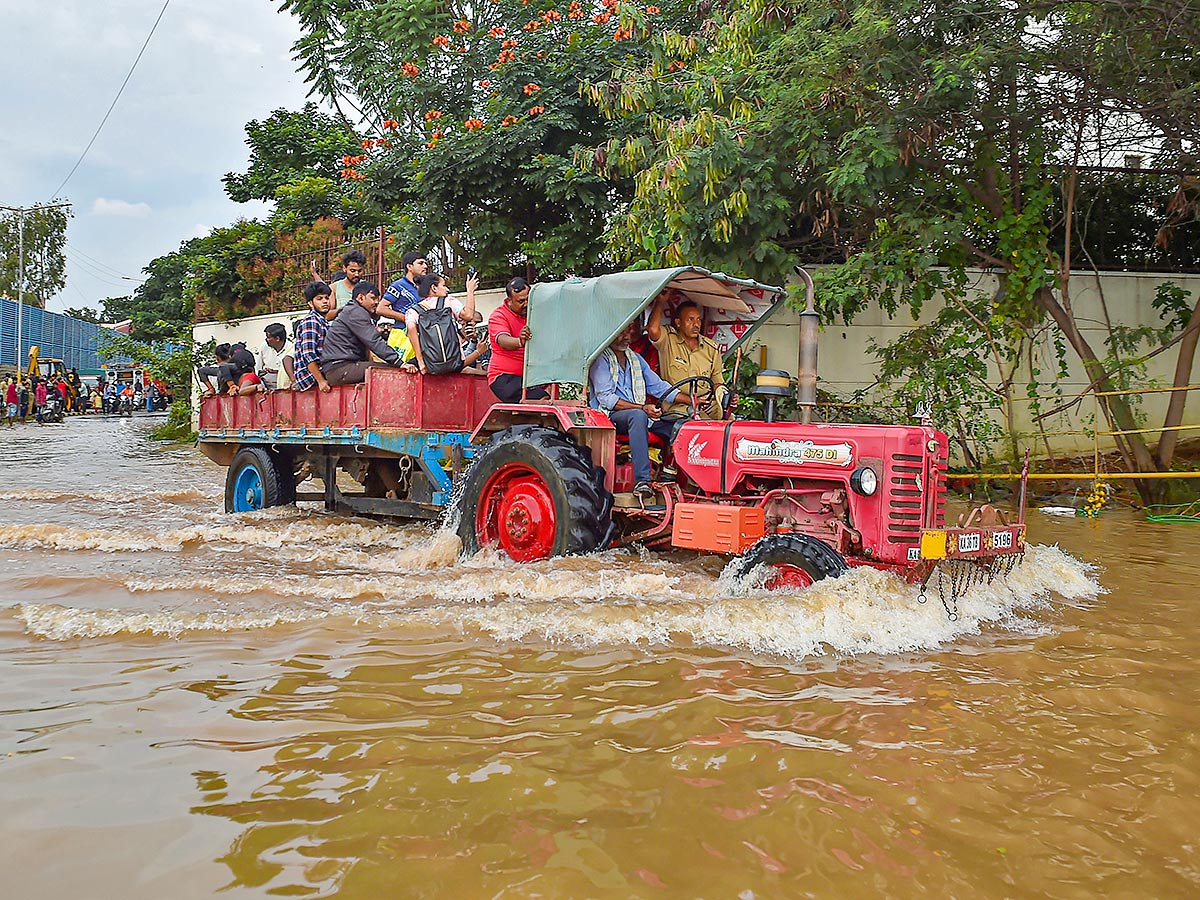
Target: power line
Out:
[74,248]
[120,91]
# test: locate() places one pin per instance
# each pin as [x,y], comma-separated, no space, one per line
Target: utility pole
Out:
[21,211]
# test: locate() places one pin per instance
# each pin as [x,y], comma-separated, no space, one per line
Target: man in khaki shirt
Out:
[683,352]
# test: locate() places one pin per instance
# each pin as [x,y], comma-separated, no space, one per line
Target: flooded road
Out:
[290,703]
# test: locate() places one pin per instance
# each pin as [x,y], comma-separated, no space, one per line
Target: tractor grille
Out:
[906,500]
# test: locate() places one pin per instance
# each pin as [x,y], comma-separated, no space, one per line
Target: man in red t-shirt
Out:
[509,332]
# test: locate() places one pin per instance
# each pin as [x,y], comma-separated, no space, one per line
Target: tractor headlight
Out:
[865,481]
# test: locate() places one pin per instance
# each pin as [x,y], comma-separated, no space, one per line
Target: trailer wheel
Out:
[255,481]
[796,561]
[534,493]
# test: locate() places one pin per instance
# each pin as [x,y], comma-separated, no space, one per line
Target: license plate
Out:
[914,554]
[968,543]
[1002,540]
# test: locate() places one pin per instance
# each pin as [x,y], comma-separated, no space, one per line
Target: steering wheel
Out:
[698,380]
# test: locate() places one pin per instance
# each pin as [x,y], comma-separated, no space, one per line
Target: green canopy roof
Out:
[572,321]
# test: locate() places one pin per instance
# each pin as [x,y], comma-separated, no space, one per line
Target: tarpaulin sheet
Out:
[572,321]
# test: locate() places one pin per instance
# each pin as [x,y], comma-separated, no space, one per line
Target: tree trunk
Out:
[1117,410]
[1183,374]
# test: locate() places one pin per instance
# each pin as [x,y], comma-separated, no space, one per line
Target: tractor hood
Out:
[574,320]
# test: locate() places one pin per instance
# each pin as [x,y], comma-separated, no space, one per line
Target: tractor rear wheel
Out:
[795,561]
[534,493]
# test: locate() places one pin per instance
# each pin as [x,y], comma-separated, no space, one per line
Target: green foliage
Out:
[288,148]
[178,426]
[1172,304]
[83,314]
[45,236]
[479,121]
[944,364]
[170,360]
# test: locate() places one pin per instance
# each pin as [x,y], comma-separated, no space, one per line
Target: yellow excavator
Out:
[44,368]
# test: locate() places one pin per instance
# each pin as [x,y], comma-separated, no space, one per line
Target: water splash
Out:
[605,599]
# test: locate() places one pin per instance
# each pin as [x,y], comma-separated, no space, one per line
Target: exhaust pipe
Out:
[806,373]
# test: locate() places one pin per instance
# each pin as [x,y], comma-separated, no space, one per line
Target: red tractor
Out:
[539,479]
[805,500]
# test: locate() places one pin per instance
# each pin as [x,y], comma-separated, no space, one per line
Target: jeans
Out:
[637,425]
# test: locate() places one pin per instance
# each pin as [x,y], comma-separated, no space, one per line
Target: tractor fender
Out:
[559,416]
[590,428]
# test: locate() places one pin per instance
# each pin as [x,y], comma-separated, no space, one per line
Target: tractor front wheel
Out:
[534,493]
[794,561]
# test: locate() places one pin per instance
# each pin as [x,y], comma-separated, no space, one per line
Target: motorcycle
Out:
[51,411]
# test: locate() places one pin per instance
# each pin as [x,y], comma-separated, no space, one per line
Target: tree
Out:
[904,141]
[84,314]
[475,117]
[45,236]
[288,147]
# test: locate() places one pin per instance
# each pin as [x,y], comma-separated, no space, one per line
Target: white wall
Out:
[846,365]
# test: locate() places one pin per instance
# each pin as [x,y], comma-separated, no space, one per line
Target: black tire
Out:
[812,556]
[560,470]
[255,481]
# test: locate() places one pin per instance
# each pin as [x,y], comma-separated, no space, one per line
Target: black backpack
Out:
[437,330]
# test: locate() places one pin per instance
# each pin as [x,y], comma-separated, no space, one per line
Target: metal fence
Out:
[75,342]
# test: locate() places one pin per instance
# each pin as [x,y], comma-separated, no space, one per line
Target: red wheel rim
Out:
[516,512]
[784,576]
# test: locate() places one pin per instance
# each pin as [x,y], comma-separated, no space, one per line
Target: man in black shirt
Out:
[353,336]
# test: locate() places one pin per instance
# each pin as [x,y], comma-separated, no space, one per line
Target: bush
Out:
[178,426]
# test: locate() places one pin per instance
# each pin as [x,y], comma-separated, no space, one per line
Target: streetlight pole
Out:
[21,211]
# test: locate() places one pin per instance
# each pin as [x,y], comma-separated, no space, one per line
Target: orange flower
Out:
[652,10]
[493,66]
[676,65]
[622,34]
[505,56]
[345,160]
[496,31]
[536,110]
[509,120]
[462,26]
[602,18]
[391,124]
[509,44]
[551,15]
[410,70]
[532,26]
[473,124]
[485,84]
[531,89]
[441,41]
[433,114]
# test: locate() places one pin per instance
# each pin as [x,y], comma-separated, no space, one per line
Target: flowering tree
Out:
[475,114]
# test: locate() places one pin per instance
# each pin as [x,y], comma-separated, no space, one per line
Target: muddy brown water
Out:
[289,703]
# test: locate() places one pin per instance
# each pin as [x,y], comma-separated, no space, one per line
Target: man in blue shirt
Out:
[402,293]
[621,385]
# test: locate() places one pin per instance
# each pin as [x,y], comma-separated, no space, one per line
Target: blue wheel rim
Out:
[248,490]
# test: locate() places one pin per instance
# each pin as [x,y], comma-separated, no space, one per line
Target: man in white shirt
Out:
[270,355]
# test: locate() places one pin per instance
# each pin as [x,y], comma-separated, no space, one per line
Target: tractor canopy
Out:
[572,321]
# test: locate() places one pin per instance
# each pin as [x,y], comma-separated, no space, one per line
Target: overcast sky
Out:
[153,177]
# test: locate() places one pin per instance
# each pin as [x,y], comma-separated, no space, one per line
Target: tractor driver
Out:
[621,385]
[683,352]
